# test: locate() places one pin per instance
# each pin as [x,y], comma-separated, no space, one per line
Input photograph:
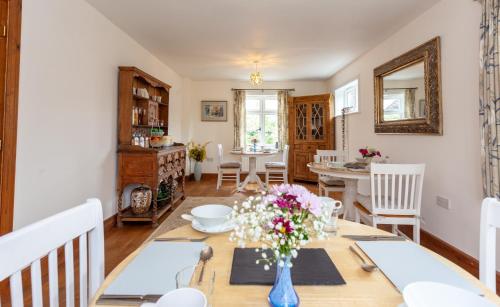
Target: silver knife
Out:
[122,297]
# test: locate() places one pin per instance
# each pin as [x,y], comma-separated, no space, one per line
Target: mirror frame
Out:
[432,124]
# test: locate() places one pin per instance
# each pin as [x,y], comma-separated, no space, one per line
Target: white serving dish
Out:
[211,215]
[433,294]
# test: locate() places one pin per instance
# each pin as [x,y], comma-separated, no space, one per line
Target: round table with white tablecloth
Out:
[252,176]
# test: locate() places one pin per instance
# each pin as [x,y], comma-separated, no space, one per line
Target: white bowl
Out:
[211,215]
[186,297]
[433,294]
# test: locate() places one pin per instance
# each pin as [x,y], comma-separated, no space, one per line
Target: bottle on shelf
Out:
[141,141]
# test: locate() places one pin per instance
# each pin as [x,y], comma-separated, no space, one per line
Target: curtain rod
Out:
[263,89]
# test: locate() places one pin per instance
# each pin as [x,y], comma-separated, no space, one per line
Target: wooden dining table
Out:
[361,288]
[350,178]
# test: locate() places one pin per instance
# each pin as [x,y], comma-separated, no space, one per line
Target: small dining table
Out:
[361,288]
[252,176]
[350,178]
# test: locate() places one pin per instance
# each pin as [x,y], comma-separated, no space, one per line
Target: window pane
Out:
[252,128]
[270,129]
[252,104]
[271,105]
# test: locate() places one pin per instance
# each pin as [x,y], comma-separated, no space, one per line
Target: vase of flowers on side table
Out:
[197,153]
[282,221]
[368,154]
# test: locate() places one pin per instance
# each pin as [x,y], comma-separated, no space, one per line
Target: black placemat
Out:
[313,266]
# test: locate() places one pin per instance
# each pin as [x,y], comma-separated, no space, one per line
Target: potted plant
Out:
[280,223]
[198,153]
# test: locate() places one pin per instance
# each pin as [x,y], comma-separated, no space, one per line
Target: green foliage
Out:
[197,152]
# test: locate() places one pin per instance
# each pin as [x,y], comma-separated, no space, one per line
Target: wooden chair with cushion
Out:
[25,247]
[396,197]
[227,170]
[327,184]
[278,171]
[490,222]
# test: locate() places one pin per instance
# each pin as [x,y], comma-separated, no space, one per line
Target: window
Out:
[261,119]
[347,97]
[394,105]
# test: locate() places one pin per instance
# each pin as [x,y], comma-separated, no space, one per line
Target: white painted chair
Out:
[227,170]
[26,246]
[490,221]
[327,184]
[396,197]
[278,171]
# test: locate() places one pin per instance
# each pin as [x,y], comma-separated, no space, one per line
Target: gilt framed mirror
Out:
[408,92]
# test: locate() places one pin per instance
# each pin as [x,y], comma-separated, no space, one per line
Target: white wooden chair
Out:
[396,197]
[327,184]
[490,221]
[278,171]
[227,170]
[26,246]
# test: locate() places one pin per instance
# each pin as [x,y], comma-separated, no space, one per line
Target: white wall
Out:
[453,168]
[222,132]
[68,106]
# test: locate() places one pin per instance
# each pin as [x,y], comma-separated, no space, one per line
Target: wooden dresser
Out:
[143,108]
[311,127]
[151,167]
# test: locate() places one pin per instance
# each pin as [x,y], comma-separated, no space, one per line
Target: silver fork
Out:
[181,239]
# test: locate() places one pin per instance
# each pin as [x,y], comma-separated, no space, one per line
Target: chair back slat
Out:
[70,276]
[286,150]
[490,222]
[398,188]
[16,290]
[53,279]
[82,260]
[36,283]
[331,155]
[220,153]
[19,252]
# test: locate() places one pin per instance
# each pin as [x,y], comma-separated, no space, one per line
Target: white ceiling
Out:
[293,39]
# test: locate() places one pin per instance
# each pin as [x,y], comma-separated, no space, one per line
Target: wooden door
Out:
[10,38]
[311,127]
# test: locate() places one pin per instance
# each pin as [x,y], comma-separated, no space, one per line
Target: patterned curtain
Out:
[489,96]
[410,103]
[282,119]
[239,117]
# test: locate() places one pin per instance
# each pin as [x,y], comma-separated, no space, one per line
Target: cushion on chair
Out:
[232,164]
[331,182]
[275,165]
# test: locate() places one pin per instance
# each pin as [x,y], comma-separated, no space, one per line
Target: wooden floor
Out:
[120,242]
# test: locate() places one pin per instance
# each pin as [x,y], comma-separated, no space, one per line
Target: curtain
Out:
[489,96]
[410,103]
[282,119]
[239,118]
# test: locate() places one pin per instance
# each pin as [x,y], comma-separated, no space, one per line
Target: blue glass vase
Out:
[283,294]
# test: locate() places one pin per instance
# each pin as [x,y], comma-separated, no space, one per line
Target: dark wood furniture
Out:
[311,127]
[157,168]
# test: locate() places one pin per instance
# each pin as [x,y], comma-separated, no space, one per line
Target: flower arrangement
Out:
[369,152]
[197,152]
[282,221]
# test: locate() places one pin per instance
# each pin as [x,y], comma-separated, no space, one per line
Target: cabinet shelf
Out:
[163,104]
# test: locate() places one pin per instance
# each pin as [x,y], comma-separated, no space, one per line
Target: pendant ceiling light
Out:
[256,76]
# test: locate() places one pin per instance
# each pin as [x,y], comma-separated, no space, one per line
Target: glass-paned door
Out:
[317,121]
[301,122]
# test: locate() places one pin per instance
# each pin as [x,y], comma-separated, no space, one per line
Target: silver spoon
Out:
[365,266]
[205,255]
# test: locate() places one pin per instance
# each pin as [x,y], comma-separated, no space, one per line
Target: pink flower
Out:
[310,202]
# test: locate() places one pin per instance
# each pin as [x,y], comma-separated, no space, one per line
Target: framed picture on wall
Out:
[213,111]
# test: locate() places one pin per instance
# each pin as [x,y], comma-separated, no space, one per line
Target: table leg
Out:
[252,176]
[351,189]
